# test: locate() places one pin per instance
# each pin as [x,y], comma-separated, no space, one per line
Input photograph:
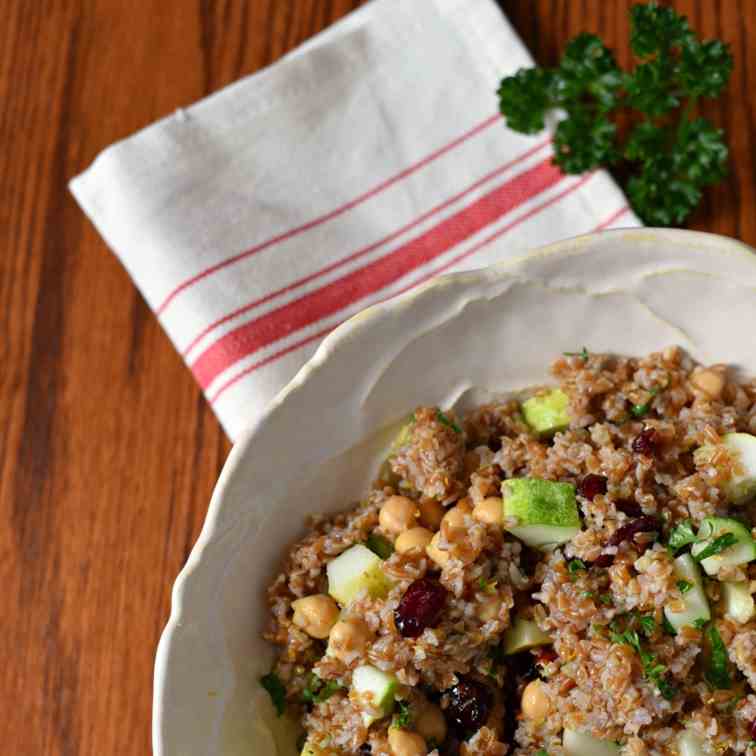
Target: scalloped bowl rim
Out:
[351,329]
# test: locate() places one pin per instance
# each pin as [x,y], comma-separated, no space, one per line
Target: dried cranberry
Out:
[645,443]
[628,532]
[591,486]
[469,703]
[603,560]
[546,656]
[420,607]
[630,508]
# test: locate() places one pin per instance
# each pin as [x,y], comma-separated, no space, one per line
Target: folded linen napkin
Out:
[360,165]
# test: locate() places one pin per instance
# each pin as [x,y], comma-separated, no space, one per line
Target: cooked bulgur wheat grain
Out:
[615,668]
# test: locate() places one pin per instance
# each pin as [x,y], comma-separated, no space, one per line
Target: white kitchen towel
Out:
[362,164]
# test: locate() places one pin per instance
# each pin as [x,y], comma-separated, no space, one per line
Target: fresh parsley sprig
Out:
[672,153]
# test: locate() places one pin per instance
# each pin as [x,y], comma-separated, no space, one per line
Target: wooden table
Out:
[108,450]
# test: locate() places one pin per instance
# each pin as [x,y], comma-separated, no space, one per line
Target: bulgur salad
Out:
[568,572]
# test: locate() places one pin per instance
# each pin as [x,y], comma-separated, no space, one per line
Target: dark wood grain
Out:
[108,453]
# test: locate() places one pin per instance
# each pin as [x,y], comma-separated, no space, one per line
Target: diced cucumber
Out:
[742,552]
[546,512]
[522,635]
[380,687]
[738,601]
[696,605]
[742,448]
[581,744]
[547,413]
[689,744]
[355,570]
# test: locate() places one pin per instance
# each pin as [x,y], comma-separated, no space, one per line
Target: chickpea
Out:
[430,723]
[710,381]
[431,513]
[414,539]
[489,608]
[455,518]
[489,510]
[347,638]
[316,615]
[439,556]
[405,743]
[535,702]
[398,514]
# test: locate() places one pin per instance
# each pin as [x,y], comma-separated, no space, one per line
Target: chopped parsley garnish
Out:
[316,691]
[272,683]
[583,354]
[606,598]
[403,717]
[587,594]
[647,624]
[682,535]
[487,586]
[576,565]
[444,420]
[717,672]
[379,545]
[671,153]
[684,586]
[717,546]
[652,669]
[641,410]
[541,753]
[700,623]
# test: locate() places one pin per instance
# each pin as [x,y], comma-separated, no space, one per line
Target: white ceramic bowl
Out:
[450,342]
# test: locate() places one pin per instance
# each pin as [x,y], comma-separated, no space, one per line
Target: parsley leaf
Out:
[276,690]
[682,535]
[684,586]
[700,623]
[444,420]
[671,155]
[717,674]
[316,691]
[652,670]
[576,565]
[403,717]
[583,354]
[717,546]
[487,586]
[379,545]
[647,625]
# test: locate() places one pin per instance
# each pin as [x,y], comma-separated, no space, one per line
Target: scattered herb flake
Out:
[379,545]
[444,420]
[576,565]
[700,623]
[684,586]
[647,625]
[403,717]
[717,672]
[583,354]
[717,546]
[606,598]
[487,586]
[316,691]
[682,535]
[272,683]
[587,594]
